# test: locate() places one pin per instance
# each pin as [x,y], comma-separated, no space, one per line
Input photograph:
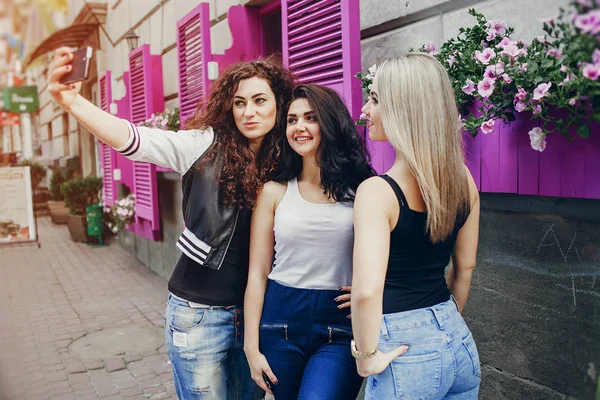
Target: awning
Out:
[72,36]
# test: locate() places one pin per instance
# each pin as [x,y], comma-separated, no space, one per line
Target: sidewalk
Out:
[80,323]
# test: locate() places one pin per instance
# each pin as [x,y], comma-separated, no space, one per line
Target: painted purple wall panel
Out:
[551,163]
[527,161]
[506,179]
[490,155]
[472,150]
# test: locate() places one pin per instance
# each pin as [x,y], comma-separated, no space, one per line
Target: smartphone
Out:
[80,66]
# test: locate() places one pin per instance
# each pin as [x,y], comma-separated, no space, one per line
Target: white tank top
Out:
[313,242]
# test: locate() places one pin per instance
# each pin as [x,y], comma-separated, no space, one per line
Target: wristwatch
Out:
[361,354]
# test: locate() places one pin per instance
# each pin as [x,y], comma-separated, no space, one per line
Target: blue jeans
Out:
[205,346]
[441,363]
[306,340]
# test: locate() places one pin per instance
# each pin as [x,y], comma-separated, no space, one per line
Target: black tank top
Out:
[415,274]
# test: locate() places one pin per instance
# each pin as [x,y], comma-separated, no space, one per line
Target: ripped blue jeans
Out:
[205,346]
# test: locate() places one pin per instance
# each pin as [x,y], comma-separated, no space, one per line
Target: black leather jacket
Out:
[209,223]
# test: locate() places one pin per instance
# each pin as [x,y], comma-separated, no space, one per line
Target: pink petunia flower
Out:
[451,60]
[488,126]
[485,88]
[506,42]
[554,53]
[485,56]
[573,101]
[513,51]
[541,90]
[521,94]
[506,78]
[563,68]
[524,67]
[537,138]
[549,21]
[469,87]
[596,56]
[589,23]
[536,108]
[490,73]
[542,39]
[520,106]
[591,71]
[431,48]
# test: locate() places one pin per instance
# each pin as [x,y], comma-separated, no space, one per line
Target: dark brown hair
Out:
[243,172]
[342,155]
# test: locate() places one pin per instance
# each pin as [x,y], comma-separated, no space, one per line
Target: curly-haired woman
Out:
[297,330]
[227,152]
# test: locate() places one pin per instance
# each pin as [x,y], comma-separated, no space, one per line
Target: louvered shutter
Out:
[107,154]
[321,44]
[146,91]
[193,54]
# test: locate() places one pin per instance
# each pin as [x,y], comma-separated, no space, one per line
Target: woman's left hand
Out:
[344,299]
[376,364]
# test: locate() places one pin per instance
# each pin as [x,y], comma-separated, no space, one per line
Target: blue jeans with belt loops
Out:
[442,361]
[306,340]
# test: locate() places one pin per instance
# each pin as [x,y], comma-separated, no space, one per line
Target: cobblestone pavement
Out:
[64,291]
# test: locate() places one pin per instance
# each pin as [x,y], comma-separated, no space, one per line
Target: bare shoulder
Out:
[374,192]
[473,191]
[272,192]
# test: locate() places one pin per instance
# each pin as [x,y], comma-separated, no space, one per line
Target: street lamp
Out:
[132,40]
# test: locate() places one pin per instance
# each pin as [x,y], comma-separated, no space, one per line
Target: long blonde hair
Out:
[420,119]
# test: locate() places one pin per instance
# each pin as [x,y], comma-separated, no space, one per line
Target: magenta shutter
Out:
[107,154]
[193,45]
[146,98]
[321,44]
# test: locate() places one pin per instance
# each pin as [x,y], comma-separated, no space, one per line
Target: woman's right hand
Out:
[64,95]
[259,367]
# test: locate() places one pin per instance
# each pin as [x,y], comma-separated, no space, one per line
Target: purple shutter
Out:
[193,54]
[107,154]
[321,44]
[146,98]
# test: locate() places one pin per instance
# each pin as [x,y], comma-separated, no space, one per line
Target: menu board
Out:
[16,206]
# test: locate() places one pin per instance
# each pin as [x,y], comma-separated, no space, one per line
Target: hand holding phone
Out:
[80,66]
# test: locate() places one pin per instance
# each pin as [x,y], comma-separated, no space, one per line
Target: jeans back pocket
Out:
[417,377]
[469,344]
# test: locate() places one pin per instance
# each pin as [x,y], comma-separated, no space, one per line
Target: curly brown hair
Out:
[244,172]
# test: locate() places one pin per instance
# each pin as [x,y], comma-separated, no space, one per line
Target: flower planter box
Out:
[504,162]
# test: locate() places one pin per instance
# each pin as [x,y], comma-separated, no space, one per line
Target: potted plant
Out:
[121,214]
[56,204]
[79,193]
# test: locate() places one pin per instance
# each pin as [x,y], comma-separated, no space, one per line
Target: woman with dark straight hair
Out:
[297,327]
[227,152]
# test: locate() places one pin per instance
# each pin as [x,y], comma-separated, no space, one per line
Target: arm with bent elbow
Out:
[464,255]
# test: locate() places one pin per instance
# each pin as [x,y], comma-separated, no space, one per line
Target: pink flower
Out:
[488,126]
[554,53]
[521,94]
[499,67]
[485,88]
[589,23]
[573,101]
[524,67]
[513,51]
[569,78]
[563,68]
[585,3]
[451,60]
[596,56]
[542,39]
[506,78]
[485,56]
[490,73]
[591,71]
[506,42]
[495,27]
[469,87]
[520,106]
[536,108]
[538,139]
[431,48]
[541,90]
[549,21]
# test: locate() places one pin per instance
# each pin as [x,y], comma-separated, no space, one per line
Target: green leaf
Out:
[583,131]
[596,117]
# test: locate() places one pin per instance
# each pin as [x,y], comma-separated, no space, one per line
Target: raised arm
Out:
[106,127]
[373,222]
[175,150]
[464,256]
[262,243]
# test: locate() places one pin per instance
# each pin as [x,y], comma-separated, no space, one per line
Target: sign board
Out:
[21,99]
[7,118]
[17,222]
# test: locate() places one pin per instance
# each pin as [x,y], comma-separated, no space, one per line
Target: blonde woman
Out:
[410,338]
